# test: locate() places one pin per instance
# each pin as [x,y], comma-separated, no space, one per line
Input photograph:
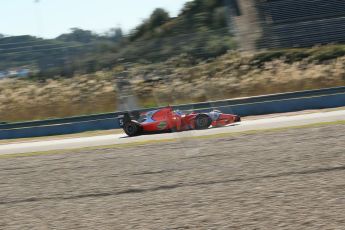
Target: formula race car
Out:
[167,119]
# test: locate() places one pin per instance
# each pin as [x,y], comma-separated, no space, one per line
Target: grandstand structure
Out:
[287,23]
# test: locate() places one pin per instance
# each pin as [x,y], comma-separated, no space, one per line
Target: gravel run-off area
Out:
[288,179]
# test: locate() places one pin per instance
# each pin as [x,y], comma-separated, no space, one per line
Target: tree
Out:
[78,35]
[219,18]
[158,18]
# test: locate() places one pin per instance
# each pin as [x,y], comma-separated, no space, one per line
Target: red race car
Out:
[166,119]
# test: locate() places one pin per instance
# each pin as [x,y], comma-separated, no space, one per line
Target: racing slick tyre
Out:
[202,121]
[237,119]
[132,129]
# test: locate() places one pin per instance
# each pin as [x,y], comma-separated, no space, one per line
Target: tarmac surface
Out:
[287,179]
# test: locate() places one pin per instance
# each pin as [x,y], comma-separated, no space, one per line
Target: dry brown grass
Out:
[27,100]
[234,76]
[171,82]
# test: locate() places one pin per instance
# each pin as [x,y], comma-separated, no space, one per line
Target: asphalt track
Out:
[281,121]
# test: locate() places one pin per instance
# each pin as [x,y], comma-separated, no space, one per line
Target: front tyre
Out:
[202,121]
[132,129]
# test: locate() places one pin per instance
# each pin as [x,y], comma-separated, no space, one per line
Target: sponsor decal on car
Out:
[162,125]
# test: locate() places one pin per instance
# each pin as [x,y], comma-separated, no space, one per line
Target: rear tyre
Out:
[237,119]
[202,121]
[132,129]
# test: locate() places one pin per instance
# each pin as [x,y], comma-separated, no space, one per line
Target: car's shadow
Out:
[150,133]
[162,132]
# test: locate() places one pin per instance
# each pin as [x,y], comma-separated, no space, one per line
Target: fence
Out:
[289,23]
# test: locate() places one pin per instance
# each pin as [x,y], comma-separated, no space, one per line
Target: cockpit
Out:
[214,115]
[146,117]
[179,112]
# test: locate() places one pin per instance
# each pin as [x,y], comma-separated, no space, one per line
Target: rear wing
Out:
[127,117]
[123,119]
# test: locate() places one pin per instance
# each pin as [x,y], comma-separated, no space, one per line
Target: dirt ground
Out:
[292,179]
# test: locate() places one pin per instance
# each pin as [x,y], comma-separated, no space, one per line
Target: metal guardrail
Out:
[57,121]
